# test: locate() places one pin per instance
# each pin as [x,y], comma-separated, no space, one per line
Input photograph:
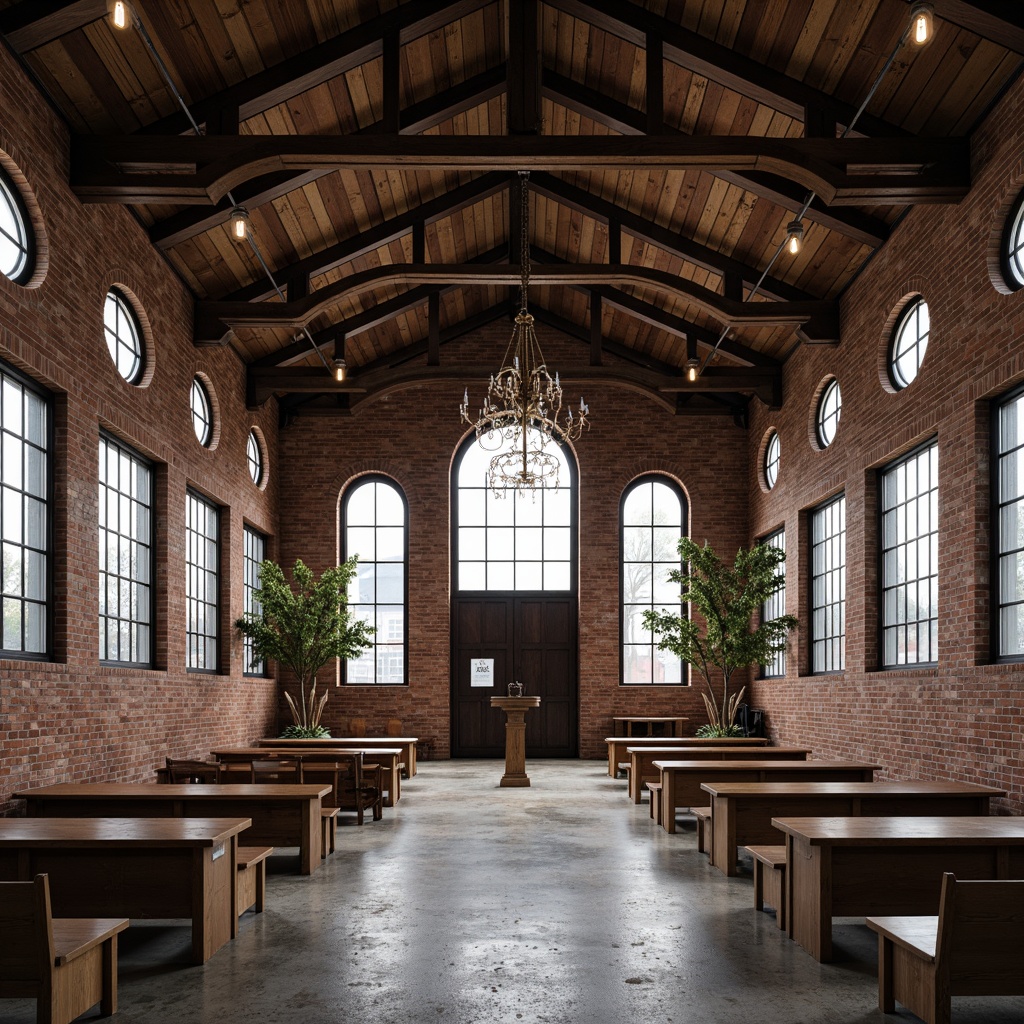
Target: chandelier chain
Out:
[524,239]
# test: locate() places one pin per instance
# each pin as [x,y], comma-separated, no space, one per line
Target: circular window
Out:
[255,458]
[771,460]
[202,416]
[1013,246]
[909,344]
[830,407]
[124,335]
[15,238]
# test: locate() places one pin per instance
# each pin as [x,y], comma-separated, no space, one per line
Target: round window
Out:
[771,460]
[202,415]
[15,236]
[830,407]
[124,335]
[255,458]
[909,344]
[1013,246]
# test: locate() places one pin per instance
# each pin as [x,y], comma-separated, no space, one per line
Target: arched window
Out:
[909,343]
[15,237]
[374,527]
[830,408]
[515,541]
[652,518]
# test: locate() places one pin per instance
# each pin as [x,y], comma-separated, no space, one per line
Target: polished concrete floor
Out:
[471,904]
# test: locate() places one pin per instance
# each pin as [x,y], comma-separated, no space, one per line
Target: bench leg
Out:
[108,1001]
[886,999]
[758,885]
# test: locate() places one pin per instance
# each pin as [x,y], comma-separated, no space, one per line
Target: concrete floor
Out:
[470,904]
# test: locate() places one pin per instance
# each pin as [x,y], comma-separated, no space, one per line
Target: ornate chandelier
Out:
[523,395]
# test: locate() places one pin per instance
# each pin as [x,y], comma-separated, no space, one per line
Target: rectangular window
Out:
[202,563]
[828,586]
[1009,510]
[24,515]
[910,559]
[253,555]
[776,605]
[126,555]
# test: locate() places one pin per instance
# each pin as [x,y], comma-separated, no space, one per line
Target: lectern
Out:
[515,709]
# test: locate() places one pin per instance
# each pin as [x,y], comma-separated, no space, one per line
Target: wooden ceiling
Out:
[374,144]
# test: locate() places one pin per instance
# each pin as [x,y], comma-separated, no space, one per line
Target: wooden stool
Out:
[655,788]
[703,816]
[622,766]
[252,878]
[328,830]
[770,879]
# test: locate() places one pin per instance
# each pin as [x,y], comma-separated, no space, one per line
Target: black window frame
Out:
[996,551]
[377,478]
[250,583]
[106,438]
[811,577]
[819,416]
[49,618]
[684,511]
[771,540]
[252,438]
[773,438]
[127,308]
[908,311]
[1014,226]
[195,495]
[198,382]
[883,588]
[10,188]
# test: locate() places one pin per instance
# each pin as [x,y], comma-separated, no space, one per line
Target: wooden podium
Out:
[515,709]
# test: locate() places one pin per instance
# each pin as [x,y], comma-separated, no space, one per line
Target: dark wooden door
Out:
[532,638]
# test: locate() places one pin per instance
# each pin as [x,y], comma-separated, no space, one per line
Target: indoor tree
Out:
[303,626]
[725,598]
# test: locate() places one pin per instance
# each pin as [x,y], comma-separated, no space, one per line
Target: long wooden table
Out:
[388,758]
[641,760]
[681,780]
[281,815]
[407,744]
[133,867]
[854,867]
[618,745]
[742,812]
[625,725]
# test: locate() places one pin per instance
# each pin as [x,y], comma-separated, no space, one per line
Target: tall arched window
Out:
[652,518]
[374,527]
[516,541]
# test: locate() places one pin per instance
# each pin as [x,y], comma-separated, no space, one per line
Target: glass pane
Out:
[362,587]
[636,544]
[528,509]
[501,576]
[391,583]
[472,576]
[667,667]
[471,508]
[556,576]
[529,576]
[472,543]
[390,507]
[528,543]
[636,663]
[637,508]
[359,506]
[558,507]
[360,541]
[667,510]
[390,544]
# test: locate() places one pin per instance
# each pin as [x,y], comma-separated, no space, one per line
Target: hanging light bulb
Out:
[692,365]
[794,236]
[339,369]
[241,225]
[121,14]
[921,26]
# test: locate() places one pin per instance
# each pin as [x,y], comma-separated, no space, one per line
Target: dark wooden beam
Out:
[655,63]
[664,238]
[595,327]
[998,21]
[348,249]
[434,329]
[198,170]
[34,23]
[215,320]
[416,118]
[626,120]
[392,82]
[523,68]
[323,62]
[629,21]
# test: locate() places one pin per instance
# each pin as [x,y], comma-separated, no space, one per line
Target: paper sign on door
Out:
[481,672]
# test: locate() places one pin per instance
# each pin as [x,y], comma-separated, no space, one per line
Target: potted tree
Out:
[303,626]
[725,599]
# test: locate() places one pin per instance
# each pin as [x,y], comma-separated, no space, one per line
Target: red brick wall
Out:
[71,718]
[412,437]
[961,719]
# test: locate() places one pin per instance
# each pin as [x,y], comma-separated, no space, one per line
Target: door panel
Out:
[531,638]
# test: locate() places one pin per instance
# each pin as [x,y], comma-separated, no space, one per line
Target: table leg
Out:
[668,801]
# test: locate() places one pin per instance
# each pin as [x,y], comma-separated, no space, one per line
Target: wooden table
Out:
[641,760]
[681,780]
[388,758]
[368,744]
[133,867]
[854,867]
[281,815]
[742,812]
[515,709]
[654,725]
[618,745]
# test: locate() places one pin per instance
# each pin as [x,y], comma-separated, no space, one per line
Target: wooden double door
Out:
[532,638]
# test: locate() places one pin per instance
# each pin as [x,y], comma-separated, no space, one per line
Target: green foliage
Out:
[303,626]
[725,598]
[719,731]
[303,732]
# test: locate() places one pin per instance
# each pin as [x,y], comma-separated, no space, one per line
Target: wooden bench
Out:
[973,948]
[66,965]
[703,816]
[655,801]
[770,879]
[252,878]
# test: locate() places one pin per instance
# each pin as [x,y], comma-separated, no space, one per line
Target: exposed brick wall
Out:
[73,719]
[412,436]
[961,719]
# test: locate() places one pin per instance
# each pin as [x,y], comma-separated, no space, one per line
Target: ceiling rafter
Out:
[34,23]
[140,169]
[998,21]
